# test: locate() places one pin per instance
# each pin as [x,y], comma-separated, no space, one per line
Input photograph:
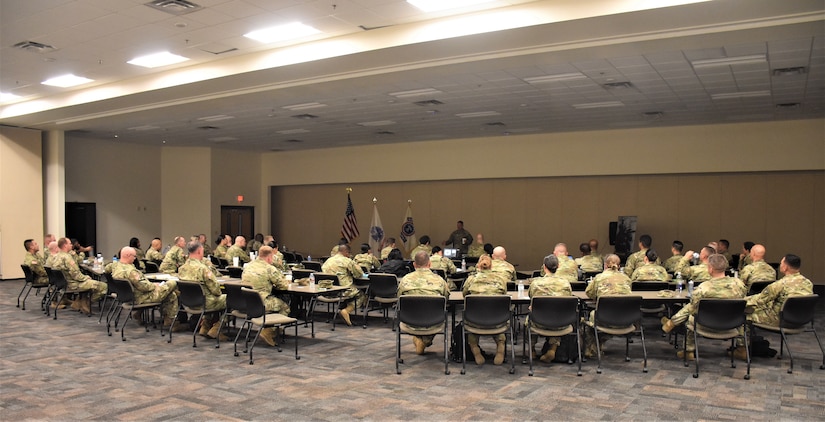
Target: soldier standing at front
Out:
[460,238]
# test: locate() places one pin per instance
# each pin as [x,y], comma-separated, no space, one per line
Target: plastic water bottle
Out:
[309,257]
[690,288]
[463,264]
[521,288]
[679,284]
[312,281]
[114,258]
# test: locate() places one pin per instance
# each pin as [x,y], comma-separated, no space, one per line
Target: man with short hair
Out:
[207,249]
[225,243]
[237,251]
[594,249]
[610,282]
[722,248]
[460,238]
[439,262]
[75,279]
[389,245]
[477,248]
[175,257]
[718,287]
[698,272]
[745,256]
[567,266]
[346,269]
[366,259]
[588,262]
[549,285]
[758,269]
[672,262]
[277,257]
[636,259]
[53,251]
[422,281]
[47,240]
[164,293]
[423,245]
[35,262]
[768,303]
[650,270]
[153,253]
[195,270]
[264,277]
[500,264]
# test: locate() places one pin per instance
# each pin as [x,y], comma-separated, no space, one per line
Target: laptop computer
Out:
[450,253]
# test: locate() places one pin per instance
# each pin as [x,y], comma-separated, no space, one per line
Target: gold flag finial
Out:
[374,200]
[409,201]
[349,190]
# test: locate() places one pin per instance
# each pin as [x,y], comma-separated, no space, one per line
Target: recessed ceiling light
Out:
[216,118]
[164,58]
[478,114]
[6,96]
[561,77]
[65,81]
[745,94]
[598,105]
[728,61]
[282,32]
[304,106]
[377,123]
[221,139]
[144,127]
[415,92]
[292,131]
[436,5]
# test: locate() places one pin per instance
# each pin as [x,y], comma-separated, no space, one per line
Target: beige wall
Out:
[235,173]
[124,182]
[21,196]
[186,183]
[529,215]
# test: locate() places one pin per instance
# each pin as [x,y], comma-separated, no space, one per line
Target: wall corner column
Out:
[54,182]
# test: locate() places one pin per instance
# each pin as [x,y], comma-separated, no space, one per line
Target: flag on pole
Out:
[376,230]
[349,230]
[408,230]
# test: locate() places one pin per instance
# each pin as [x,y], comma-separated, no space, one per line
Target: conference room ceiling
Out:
[647,68]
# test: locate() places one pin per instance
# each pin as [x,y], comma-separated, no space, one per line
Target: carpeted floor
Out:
[69,369]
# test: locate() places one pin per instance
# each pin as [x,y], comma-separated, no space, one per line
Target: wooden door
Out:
[238,220]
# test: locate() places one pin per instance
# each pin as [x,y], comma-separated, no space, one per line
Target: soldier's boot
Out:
[419,345]
[550,355]
[346,311]
[690,356]
[535,340]
[206,325]
[75,304]
[740,353]
[667,325]
[84,306]
[177,327]
[500,346]
[214,333]
[477,353]
[268,334]
[138,317]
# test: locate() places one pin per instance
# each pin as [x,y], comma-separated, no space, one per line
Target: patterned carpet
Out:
[69,369]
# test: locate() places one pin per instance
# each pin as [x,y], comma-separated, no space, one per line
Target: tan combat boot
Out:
[206,325]
[477,354]
[500,346]
[550,355]
[268,334]
[690,356]
[667,325]
[419,345]
[346,311]
[214,333]
[84,307]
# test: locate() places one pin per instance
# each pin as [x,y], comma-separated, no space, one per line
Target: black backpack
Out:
[567,351]
[456,347]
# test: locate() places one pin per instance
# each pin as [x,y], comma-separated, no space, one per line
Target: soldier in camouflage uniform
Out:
[164,293]
[486,282]
[47,240]
[175,257]
[650,270]
[195,270]
[237,250]
[672,262]
[207,248]
[718,287]
[277,257]
[637,258]
[477,248]
[53,251]
[346,269]
[76,279]
[460,238]
[745,256]
[567,266]
[438,262]
[366,259]
[422,281]
[589,263]
[610,282]
[256,243]
[223,246]
[758,269]
[500,265]
[153,253]
[389,245]
[549,285]
[768,303]
[699,272]
[423,245]
[263,277]
[35,262]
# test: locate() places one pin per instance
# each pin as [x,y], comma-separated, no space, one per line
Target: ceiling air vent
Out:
[208,127]
[426,103]
[788,106]
[34,47]
[653,115]
[305,116]
[495,124]
[384,132]
[618,85]
[790,71]
[293,141]
[174,7]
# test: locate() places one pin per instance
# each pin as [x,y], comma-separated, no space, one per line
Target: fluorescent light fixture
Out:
[745,94]
[561,77]
[377,123]
[144,127]
[415,93]
[164,58]
[292,131]
[437,5]
[598,105]
[6,96]
[223,139]
[282,32]
[728,61]
[65,81]
[304,106]
[216,118]
[478,114]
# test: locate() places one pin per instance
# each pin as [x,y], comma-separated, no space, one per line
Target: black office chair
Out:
[298,273]
[126,299]
[651,286]
[421,315]
[311,265]
[258,318]
[381,294]
[757,286]
[578,286]
[332,299]
[193,302]
[796,317]
[31,283]
[488,315]
[719,319]
[561,312]
[235,272]
[619,316]
[151,267]
[441,273]
[61,288]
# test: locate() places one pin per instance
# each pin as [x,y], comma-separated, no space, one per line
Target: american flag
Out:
[350,228]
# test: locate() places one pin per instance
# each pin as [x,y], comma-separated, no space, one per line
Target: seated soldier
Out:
[164,293]
[195,270]
[422,281]
[264,277]
[650,270]
[549,285]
